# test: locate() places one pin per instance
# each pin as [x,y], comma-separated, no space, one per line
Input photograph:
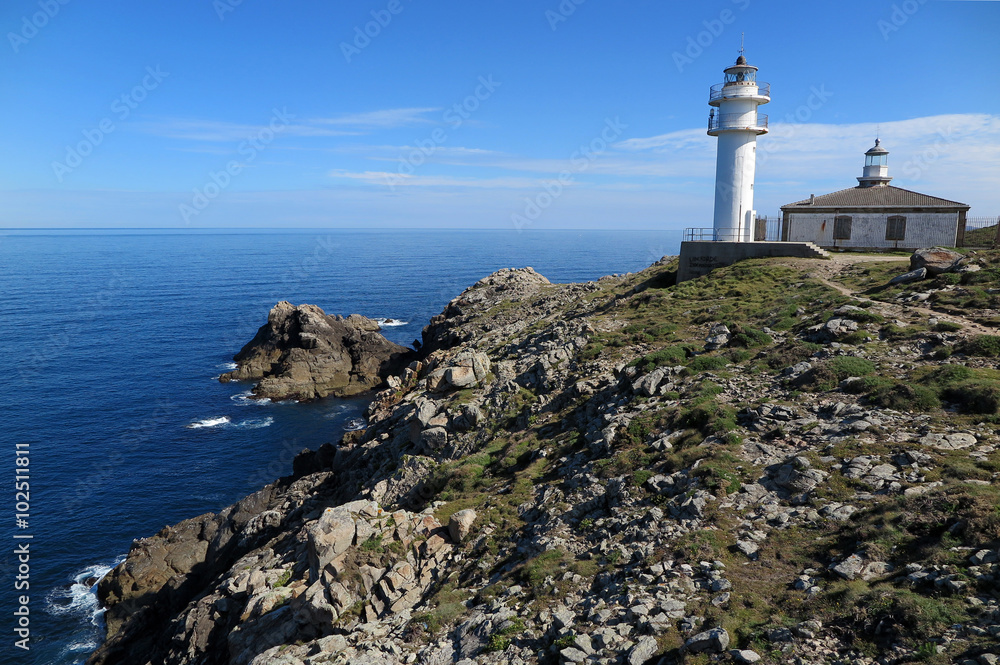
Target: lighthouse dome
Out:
[877,149]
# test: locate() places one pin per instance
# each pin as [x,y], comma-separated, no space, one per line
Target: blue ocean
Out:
[111,345]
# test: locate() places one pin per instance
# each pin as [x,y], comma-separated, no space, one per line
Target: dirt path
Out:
[828,271]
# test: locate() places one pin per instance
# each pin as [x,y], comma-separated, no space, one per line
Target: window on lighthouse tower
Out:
[876,160]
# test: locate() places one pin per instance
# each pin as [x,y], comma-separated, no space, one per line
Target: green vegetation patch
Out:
[981,345]
[828,374]
[670,356]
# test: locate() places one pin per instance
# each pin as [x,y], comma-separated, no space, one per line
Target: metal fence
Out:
[738,121]
[981,232]
[767,229]
[712,235]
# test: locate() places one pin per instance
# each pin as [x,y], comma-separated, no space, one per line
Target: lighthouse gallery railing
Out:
[716,93]
[735,121]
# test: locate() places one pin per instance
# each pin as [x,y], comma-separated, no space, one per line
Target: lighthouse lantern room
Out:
[735,121]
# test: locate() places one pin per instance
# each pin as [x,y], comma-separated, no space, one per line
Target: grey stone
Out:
[434,440]
[718,337]
[936,260]
[744,656]
[909,277]
[643,650]
[715,640]
[748,548]
[460,524]
[573,655]
[851,567]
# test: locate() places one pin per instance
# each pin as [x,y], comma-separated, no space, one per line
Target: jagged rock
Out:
[344,562]
[648,384]
[644,649]
[460,524]
[470,416]
[718,337]
[952,441]
[838,328]
[465,370]
[850,567]
[936,260]
[748,548]
[714,641]
[573,655]
[909,277]
[302,353]
[745,656]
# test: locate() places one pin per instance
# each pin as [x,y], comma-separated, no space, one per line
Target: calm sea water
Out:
[111,342]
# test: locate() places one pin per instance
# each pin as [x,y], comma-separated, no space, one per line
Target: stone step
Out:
[819,252]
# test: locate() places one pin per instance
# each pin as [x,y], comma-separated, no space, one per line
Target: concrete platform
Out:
[700,257]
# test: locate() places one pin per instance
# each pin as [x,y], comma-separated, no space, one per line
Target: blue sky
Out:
[563,113]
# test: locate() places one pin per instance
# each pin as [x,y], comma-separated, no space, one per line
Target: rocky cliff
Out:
[784,461]
[302,353]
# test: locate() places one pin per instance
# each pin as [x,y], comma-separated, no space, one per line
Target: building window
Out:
[895,228]
[842,228]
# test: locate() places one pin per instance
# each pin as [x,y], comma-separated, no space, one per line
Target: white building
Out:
[737,125]
[875,215]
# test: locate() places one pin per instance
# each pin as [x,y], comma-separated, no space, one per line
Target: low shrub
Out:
[847,366]
[748,338]
[864,316]
[790,354]
[905,397]
[975,396]
[828,375]
[947,375]
[707,363]
[981,345]
[867,384]
[947,326]
[669,356]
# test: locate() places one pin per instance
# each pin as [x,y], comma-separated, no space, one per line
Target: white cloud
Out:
[214,131]
[386,118]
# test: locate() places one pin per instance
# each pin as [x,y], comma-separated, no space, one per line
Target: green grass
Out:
[981,345]
[828,374]
[706,363]
[670,357]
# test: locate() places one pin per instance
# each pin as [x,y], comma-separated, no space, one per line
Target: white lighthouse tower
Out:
[734,119]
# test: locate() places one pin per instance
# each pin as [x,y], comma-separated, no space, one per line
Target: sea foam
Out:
[209,422]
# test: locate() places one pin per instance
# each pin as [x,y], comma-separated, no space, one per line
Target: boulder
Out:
[434,439]
[838,328]
[644,649]
[460,524]
[466,369]
[715,641]
[718,337]
[909,277]
[850,568]
[936,260]
[745,656]
[302,353]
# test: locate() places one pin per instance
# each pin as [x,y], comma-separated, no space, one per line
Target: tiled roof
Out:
[876,197]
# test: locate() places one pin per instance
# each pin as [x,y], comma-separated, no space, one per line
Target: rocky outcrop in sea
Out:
[784,461]
[302,353]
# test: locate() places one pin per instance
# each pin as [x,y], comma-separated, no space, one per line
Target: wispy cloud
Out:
[387,118]
[441,181]
[215,131]
[219,131]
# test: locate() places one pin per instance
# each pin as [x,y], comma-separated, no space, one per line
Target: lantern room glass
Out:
[742,76]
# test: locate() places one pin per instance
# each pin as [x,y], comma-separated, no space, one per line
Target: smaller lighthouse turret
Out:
[876,173]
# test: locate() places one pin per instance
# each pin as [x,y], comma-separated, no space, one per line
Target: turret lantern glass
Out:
[877,159]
